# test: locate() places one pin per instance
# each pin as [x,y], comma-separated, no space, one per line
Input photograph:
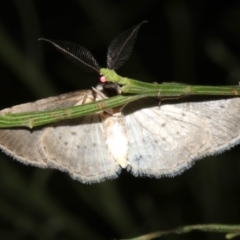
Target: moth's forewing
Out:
[23,143]
[56,102]
[78,146]
[165,140]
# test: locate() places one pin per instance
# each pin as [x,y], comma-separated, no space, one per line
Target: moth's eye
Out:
[102,79]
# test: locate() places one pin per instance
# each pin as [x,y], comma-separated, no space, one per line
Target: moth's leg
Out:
[169,98]
[86,99]
[101,96]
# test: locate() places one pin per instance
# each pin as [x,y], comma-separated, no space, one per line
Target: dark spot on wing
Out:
[74,133]
[65,143]
[138,159]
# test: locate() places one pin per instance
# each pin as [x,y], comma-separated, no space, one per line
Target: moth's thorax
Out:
[116,138]
[109,89]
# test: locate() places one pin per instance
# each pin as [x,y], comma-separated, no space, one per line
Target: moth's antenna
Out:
[76,53]
[121,47]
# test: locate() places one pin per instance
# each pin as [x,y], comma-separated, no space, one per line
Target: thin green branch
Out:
[33,119]
[131,91]
[132,86]
[230,230]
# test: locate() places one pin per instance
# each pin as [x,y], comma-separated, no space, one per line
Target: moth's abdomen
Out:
[116,138]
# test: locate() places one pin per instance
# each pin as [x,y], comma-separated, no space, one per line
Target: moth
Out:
[142,137]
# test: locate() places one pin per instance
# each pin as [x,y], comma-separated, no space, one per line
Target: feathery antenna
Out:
[76,53]
[120,48]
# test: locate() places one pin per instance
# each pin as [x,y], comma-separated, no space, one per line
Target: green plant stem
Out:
[131,91]
[33,119]
[132,86]
[230,230]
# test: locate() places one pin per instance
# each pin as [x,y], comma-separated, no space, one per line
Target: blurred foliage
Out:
[195,42]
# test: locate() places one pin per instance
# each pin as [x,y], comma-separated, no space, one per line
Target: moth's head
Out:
[109,89]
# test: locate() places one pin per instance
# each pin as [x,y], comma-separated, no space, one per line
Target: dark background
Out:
[196,42]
